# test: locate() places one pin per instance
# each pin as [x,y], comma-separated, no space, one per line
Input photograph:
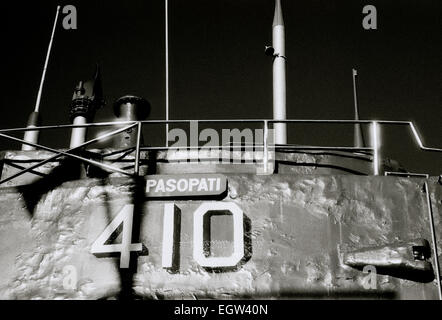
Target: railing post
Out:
[375,145]
[167,133]
[266,151]
[137,150]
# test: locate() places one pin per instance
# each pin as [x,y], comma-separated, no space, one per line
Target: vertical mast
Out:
[279,82]
[358,137]
[87,99]
[167,68]
[34,117]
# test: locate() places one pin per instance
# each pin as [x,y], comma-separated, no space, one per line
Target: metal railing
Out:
[374,133]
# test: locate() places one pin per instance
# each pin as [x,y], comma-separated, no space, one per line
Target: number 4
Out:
[126,217]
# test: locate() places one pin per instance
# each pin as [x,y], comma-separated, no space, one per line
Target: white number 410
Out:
[125,217]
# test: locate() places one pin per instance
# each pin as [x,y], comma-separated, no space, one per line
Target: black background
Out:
[218,69]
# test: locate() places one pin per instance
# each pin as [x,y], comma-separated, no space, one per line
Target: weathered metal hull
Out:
[296,230]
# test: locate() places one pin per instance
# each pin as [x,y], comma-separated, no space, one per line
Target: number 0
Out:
[238,235]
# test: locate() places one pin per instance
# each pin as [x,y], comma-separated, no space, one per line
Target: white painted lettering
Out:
[150,183]
[182,185]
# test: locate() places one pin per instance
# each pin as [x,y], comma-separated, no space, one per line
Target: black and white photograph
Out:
[238,152]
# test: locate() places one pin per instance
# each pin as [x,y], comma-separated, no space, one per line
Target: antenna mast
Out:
[358,138]
[34,117]
[279,81]
[166,6]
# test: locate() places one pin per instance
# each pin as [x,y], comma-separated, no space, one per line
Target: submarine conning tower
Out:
[244,217]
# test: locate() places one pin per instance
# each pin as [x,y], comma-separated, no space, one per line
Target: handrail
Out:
[58,154]
[265,145]
[62,126]
[416,135]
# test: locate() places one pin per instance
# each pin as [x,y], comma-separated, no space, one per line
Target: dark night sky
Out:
[218,69]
